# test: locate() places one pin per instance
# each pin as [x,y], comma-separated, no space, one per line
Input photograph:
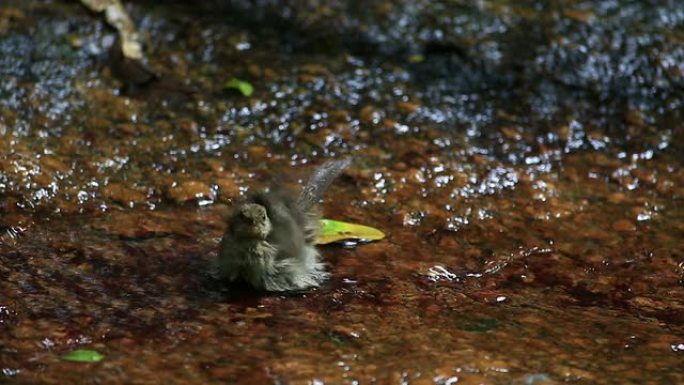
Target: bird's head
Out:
[250,221]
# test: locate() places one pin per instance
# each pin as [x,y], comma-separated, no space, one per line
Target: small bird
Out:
[269,241]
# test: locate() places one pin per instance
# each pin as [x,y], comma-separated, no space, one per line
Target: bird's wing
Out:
[318,182]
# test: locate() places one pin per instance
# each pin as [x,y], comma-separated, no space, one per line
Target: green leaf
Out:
[334,231]
[244,87]
[83,355]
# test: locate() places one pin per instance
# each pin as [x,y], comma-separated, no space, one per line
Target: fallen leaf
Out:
[335,231]
[244,87]
[83,355]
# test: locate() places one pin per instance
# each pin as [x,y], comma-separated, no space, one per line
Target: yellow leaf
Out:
[334,231]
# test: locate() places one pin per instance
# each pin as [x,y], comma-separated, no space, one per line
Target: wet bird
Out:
[270,238]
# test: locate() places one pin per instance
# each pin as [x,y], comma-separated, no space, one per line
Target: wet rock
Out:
[130,129]
[579,15]
[190,191]
[228,189]
[624,225]
[408,107]
[123,194]
[644,175]
[369,115]
[188,126]
[258,152]
[54,164]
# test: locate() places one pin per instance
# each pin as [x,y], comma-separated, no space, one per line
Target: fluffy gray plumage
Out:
[269,241]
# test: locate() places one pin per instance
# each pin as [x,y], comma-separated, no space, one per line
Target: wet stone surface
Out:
[524,158]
